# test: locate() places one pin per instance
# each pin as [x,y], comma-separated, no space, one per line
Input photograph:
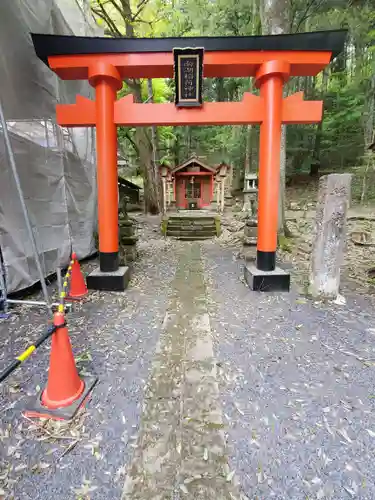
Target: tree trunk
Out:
[155,148]
[364,179]
[150,173]
[248,149]
[154,138]
[369,114]
[151,191]
[219,89]
[147,149]
[281,226]
[188,140]
[176,149]
[275,18]
[315,164]
[248,145]
[246,207]
[368,128]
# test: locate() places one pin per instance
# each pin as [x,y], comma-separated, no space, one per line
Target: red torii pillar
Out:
[106,80]
[270,78]
[107,62]
[270,110]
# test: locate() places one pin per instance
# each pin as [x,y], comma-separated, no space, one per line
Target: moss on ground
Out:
[284,243]
[218,226]
[164,226]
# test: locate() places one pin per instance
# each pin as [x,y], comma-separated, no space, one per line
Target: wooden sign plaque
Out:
[188,74]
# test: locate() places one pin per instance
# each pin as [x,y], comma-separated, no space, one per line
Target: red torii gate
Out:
[106,62]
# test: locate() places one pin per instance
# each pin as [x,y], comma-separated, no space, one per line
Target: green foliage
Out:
[342,140]
[346,88]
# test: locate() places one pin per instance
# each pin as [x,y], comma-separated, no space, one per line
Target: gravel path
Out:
[290,382]
[113,335]
[297,383]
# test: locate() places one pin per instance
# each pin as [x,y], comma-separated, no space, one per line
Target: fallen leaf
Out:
[230,476]
[184,489]
[320,494]
[344,434]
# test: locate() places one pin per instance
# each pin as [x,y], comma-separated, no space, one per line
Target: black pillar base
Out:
[108,261]
[116,281]
[266,261]
[276,280]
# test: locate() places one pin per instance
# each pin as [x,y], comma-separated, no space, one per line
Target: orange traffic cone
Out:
[78,288]
[66,392]
[64,385]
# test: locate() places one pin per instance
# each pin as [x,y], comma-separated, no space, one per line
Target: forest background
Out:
[347,87]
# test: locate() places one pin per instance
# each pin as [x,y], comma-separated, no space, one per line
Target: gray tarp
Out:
[56,166]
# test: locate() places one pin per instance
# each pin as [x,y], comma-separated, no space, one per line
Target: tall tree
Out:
[275,16]
[120,20]
[346,89]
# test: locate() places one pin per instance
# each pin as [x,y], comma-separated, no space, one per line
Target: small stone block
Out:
[277,280]
[250,242]
[116,281]
[128,240]
[125,222]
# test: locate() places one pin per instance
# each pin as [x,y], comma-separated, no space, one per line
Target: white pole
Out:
[59,280]
[3,286]
[34,303]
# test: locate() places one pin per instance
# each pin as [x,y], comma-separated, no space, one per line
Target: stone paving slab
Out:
[181,450]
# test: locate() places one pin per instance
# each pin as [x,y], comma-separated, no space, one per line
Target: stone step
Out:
[188,234]
[128,240]
[250,242]
[193,238]
[190,217]
[189,222]
[304,249]
[193,227]
[192,222]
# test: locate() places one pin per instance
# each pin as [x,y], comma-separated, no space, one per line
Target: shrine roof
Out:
[64,45]
[191,161]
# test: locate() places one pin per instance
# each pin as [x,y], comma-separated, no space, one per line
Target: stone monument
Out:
[250,192]
[330,235]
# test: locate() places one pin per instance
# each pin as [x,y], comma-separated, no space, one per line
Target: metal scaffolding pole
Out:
[3,289]
[12,163]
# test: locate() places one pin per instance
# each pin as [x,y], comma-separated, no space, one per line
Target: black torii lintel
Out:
[64,45]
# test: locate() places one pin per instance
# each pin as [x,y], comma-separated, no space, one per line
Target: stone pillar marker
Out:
[330,235]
